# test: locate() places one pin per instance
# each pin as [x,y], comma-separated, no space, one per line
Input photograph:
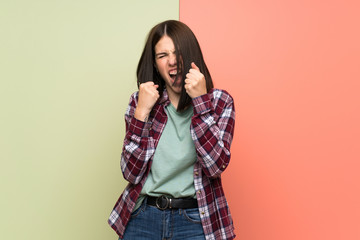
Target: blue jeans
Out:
[150,223]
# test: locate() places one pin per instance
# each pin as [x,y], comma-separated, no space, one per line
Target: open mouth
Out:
[175,76]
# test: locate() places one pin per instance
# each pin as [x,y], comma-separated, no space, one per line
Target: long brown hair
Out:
[188,50]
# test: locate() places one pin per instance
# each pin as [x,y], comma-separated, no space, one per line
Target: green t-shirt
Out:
[171,172]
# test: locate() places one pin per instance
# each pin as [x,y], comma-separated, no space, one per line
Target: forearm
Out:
[212,131]
[138,146]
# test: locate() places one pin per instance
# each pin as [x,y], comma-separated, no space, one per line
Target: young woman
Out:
[178,135]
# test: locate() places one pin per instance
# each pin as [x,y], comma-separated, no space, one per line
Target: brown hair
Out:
[187,49]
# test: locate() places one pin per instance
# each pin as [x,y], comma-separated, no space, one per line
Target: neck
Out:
[174,98]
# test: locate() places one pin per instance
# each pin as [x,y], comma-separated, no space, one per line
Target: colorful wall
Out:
[67,69]
[293,68]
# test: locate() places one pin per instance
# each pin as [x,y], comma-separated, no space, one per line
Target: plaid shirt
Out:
[212,129]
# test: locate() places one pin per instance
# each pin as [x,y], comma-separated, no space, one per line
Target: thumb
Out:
[193,65]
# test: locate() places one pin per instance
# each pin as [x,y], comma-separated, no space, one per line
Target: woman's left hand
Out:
[195,84]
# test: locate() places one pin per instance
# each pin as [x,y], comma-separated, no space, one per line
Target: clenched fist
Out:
[195,84]
[148,95]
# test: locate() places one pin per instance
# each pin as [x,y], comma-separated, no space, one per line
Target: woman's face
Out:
[165,60]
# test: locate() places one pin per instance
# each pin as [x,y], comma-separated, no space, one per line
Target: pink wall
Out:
[293,68]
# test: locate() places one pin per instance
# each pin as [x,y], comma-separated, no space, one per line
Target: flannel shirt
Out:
[212,129]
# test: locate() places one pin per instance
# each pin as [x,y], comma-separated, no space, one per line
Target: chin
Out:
[176,90]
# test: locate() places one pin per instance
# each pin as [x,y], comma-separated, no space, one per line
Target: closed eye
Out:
[160,55]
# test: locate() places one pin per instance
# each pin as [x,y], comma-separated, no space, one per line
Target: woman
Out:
[178,135]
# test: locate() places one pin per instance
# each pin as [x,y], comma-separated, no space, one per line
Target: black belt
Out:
[164,202]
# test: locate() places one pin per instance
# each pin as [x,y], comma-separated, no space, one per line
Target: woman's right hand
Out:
[148,95]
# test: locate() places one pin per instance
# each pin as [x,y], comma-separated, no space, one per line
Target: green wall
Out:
[67,69]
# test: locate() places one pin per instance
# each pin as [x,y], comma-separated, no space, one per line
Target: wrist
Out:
[141,114]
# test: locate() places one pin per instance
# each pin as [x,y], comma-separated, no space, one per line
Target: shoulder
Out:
[134,95]
[132,103]
[219,95]
[134,99]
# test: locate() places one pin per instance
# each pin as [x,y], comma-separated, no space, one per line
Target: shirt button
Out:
[202,213]
[224,166]
[196,173]
[199,192]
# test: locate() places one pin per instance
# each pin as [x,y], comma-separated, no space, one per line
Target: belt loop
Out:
[144,203]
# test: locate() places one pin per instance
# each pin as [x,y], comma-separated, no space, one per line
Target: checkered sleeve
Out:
[138,145]
[212,130]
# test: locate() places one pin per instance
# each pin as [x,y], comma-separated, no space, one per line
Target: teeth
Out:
[173,72]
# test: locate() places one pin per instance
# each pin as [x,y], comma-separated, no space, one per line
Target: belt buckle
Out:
[168,202]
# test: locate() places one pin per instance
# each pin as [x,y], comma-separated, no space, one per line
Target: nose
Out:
[172,59]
